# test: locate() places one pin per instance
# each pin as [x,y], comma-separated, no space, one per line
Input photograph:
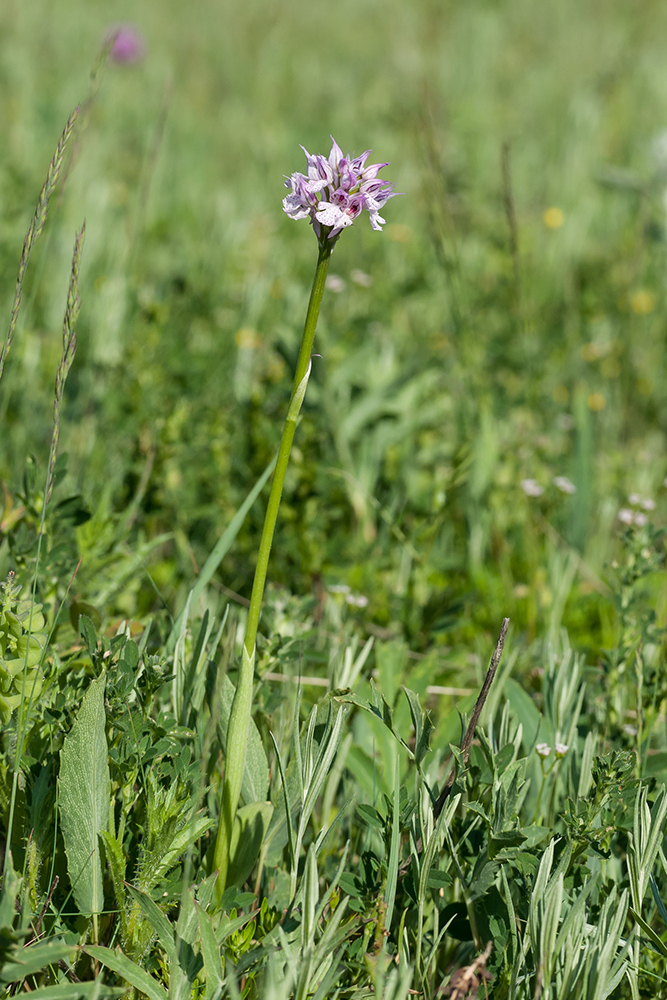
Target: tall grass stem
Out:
[34,230]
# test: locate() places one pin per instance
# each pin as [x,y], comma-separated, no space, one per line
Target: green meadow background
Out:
[490,393]
[508,324]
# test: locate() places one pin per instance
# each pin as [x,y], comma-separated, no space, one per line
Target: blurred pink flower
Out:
[127,44]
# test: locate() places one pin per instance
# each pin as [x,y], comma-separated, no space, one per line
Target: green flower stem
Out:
[239,719]
[301,373]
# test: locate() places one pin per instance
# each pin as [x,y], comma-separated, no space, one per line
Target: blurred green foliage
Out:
[468,360]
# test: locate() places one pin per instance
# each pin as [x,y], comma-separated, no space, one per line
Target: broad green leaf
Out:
[378,707]
[205,891]
[11,884]
[186,925]
[503,840]
[534,834]
[250,828]
[87,632]
[255,784]
[437,879]
[85,790]
[228,927]
[32,959]
[130,971]
[371,816]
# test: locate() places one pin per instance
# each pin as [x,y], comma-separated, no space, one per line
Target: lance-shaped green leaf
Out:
[32,959]
[210,950]
[78,991]
[128,970]
[250,827]
[235,759]
[85,790]
[647,834]
[422,725]
[255,783]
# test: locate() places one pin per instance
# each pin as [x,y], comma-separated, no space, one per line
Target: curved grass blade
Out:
[130,971]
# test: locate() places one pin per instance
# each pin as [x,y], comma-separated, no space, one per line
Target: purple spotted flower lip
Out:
[336,190]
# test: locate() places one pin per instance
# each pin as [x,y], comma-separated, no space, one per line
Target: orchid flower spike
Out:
[335,191]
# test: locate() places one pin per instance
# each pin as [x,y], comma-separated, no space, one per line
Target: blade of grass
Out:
[392,867]
[129,970]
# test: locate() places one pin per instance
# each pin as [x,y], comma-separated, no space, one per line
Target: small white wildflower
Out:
[630,730]
[626,516]
[361,278]
[561,749]
[339,588]
[647,504]
[564,484]
[543,749]
[531,488]
[634,499]
[641,520]
[357,600]
[336,284]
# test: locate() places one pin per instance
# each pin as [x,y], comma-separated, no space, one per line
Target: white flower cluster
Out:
[354,600]
[560,749]
[634,514]
[532,488]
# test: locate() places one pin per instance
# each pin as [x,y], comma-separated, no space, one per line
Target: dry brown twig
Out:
[467,981]
[470,731]
[477,711]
